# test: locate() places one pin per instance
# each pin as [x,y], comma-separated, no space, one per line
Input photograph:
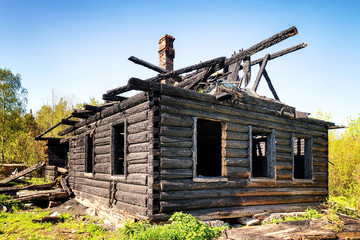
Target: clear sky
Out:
[79,49]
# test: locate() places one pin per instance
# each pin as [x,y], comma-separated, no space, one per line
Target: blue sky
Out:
[79,49]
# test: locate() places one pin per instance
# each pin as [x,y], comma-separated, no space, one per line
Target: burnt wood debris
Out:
[198,139]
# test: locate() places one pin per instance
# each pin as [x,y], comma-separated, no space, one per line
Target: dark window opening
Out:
[259,156]
[118,149]
[209,148]
[301,160]
[89,153]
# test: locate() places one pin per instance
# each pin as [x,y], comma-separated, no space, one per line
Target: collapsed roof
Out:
[225,78]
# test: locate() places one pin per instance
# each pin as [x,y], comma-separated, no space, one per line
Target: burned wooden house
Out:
[199,140]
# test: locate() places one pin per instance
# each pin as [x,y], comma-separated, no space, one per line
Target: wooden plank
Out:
[22,173]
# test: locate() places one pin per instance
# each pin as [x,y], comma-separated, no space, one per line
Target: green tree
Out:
[60,108]
[344,154]
[12,104]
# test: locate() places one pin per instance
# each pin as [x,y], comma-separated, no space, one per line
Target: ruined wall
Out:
[128,192]
[227,196]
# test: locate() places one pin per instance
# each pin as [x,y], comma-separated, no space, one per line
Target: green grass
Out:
[344,205]
[19,225]
[308,215]
[37,181]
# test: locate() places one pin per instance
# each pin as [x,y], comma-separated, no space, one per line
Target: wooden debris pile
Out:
[48,193]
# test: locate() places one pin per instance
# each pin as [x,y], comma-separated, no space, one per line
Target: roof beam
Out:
[147,64]
[281,36]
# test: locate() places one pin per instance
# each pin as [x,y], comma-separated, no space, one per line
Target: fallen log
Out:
[22,173]
[49,195]
[64,185]
[12,190]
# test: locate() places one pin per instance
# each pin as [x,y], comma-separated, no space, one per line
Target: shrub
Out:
[182,226]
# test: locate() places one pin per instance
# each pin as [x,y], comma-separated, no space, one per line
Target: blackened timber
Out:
[175,73]
[66,131]
[263,44]
[219,60]
[191,79]
[280,53]
[148,65]
[185,184]
[111,110]
[223,96]
[246,66]
[109,97]
[68,122]
[240,192]
[49,139]
[93,108]
[234,71]
[177,205]
[272,89]
[261,70]
[204,76]
[119,90]
[247,70]
[82,112]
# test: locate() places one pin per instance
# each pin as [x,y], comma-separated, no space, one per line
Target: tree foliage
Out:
[12,106]
[344,153]
[344,158]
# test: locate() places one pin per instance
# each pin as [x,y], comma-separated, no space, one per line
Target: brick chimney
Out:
[166,52]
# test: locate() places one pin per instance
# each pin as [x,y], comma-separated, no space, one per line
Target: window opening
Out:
[259,156]
[118,149]
[209,158]
[302,165]
[89,153]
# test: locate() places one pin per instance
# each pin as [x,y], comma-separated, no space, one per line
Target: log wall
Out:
[180,191]
[127,192]
[159,177]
